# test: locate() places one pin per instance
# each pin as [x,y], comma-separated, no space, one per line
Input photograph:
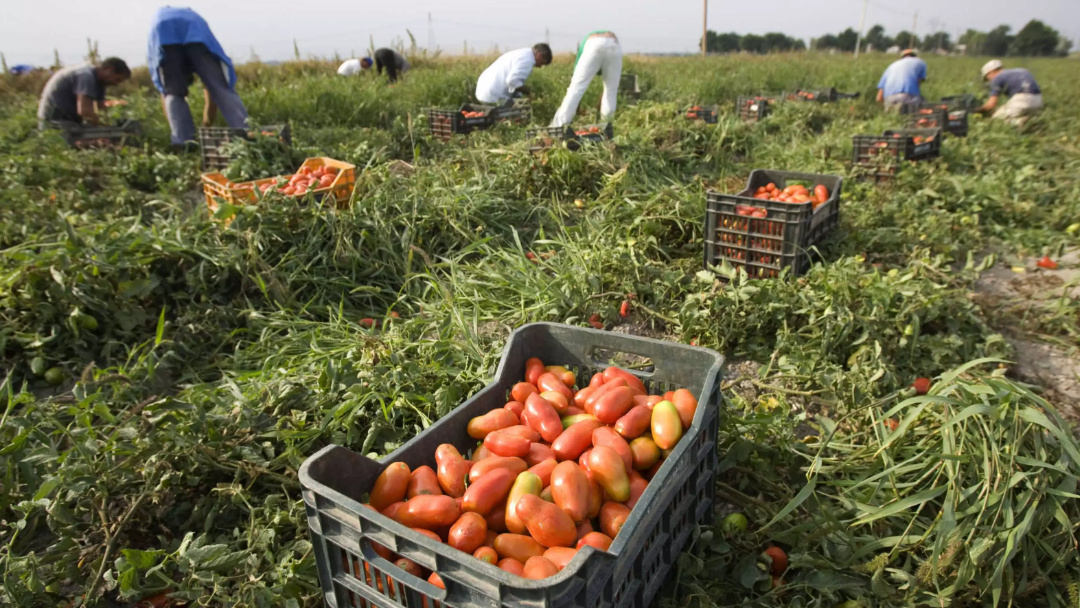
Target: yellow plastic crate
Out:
[217,188]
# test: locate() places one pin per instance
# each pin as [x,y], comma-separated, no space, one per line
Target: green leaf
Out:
[874,513]
[794,503]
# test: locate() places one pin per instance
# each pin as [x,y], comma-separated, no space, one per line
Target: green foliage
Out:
[199,364]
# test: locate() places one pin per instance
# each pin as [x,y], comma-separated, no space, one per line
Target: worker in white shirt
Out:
[599,52]
[506,77]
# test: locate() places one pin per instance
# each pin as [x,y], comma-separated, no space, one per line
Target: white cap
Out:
[993,64]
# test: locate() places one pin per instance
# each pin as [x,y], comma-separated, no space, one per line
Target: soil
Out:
[1009,294]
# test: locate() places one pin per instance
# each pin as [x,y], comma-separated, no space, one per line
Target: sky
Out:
[29,31]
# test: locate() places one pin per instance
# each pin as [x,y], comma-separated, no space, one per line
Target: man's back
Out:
[1014,81]
[494,83]
[903,76]
[59,99]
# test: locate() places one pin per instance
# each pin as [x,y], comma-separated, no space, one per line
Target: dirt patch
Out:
[1015,298]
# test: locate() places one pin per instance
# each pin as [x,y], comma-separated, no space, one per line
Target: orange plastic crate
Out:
[217,188]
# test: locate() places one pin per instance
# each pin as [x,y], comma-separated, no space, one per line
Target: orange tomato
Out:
[517,546]
[574,440]
[595,539]
[570,490]
[557,401]
[523,430]
[480,426]
[547,523]
[612,517]
[638,484]
[516,407]
[512,566]
[539,452]
[522,390]
[502,443]
[430,512]
[543,471]
[468,532]
[491,489]
[423,481]
[515,465]
[409,566]
[480,453]
[539,568]
[534,368]
[543,417]
[596,380]
[609,471]
[634,422]
[666,425]
[632,381]
[486,554]
[582,395]
[613,404]
[606,387]
[645,453]
[606,435]
[428,533]
[550,382]
[451,469]
[436,580]
[560,556]
[525,483]
[390,486]
[566,376]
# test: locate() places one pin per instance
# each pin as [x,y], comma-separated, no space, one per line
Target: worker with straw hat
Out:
[900,84]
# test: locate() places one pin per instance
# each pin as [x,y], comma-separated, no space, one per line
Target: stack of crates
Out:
[213,139]
[709,114]
[753,109]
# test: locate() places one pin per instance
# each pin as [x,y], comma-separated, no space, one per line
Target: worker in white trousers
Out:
[598,52]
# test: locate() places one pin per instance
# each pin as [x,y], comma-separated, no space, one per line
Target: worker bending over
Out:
[598,53]
[900,84]
[1025,96]
[506,77]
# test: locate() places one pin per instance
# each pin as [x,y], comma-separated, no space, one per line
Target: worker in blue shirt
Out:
[1025,96]
[900,84]
[181,46]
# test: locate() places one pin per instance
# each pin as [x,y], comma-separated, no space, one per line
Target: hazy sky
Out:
[29,31]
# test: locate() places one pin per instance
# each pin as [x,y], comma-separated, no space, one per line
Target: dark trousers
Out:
[385,58]
[180,64]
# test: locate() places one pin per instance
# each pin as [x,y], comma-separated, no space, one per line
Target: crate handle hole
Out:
[628,361]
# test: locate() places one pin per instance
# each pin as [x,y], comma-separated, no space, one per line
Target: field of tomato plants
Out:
[164,375]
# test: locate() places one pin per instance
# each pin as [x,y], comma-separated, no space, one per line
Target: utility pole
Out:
[547,36]
[914,22]
[430,34]
[862,24]
[705,28]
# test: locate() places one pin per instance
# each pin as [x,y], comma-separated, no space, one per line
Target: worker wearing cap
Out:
[394,62]
[181,46]
[901,82]
[506,77]
[599,52]
[1025,96]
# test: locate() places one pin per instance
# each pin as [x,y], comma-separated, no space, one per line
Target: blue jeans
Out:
[178,67]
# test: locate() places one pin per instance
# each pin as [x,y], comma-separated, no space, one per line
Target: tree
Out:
[847,39]
[974,41]
[877,39]
[1063,47]
[777,42]
[998,41]
[1035,39]
[752,43]
[937,40]
[721,43]
[906,40]
[828,41]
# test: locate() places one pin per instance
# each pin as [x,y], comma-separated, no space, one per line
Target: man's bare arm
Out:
[989,105]
[85,108]
[880,95]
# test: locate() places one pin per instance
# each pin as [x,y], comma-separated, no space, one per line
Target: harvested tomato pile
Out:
[807,95]
[304,180]
[468,114]
[795,193]
[591,130]
[555,469]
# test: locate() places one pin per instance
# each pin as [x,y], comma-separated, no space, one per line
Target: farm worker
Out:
[899,85]
[1025,96]
[75,95]
[506,77]
[22,68]
[599,52]
[390,59]
[182,45]
[351,67]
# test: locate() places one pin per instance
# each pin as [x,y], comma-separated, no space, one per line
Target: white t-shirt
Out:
[506,75]
[351,67]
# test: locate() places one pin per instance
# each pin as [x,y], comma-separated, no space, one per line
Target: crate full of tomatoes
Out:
[771,224]
[566,482]
[937,116]
[753,108]
[879,157]
[327,180]
[708,114]
[444,124]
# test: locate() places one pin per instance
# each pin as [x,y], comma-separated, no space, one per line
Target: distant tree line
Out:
[761,44]
[1034,39]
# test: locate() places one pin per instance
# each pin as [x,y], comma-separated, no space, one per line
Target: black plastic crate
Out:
[628,575]
[919,144]
[709,114]
[753,109]
[765,246]
[212,139]
[127,132]
[884,153]
[629,86]
[544,138]
[476,123]
[957,122]
[444,124]
[517,111]
[964,101]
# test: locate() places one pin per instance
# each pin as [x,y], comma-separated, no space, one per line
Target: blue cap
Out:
[367,60]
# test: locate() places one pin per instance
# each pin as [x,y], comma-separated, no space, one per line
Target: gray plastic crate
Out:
[92,136]
[213,139]
[628,575]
